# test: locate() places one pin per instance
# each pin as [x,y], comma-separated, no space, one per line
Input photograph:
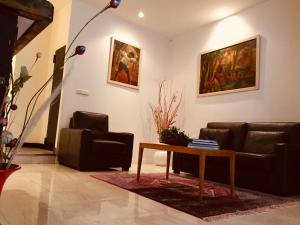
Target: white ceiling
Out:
[172,17]
[23,25]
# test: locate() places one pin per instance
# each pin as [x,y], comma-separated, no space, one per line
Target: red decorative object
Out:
[115,3]
[80,50]
[12,144]
[5,173]
[13,107]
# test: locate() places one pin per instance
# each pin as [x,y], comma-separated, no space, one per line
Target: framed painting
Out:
[230,69]
[124,64]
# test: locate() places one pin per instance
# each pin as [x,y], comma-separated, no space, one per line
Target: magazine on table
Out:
[204,144]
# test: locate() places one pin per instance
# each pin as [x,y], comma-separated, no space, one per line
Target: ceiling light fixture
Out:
[141,14]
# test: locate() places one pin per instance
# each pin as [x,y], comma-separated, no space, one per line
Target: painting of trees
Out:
[229,69]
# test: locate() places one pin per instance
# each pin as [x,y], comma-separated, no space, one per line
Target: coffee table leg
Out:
[202,160]
[232,174]
[168,164]
[141,150]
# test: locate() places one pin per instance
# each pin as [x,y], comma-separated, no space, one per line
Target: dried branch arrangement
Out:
[165,112]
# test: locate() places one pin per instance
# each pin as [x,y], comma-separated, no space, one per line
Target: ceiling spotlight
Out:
[141,14]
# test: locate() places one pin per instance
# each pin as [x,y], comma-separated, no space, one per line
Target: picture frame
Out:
[124,64]
[230,69]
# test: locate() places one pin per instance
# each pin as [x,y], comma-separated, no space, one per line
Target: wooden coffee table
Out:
[202,153]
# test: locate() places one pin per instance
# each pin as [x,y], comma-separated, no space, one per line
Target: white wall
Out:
[128,109]
[39,75]
[278,97]
[59,38]
[50,39]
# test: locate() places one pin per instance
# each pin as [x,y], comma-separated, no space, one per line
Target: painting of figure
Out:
[124,64]
[230,69]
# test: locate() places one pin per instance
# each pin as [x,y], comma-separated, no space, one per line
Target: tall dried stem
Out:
[165,112]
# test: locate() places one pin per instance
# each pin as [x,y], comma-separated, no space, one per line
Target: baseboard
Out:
[38,145]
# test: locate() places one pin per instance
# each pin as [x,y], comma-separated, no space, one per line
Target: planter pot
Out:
[175,141]
[160,158]
[5,173]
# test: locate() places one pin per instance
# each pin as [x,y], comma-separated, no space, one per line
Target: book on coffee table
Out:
[204,144]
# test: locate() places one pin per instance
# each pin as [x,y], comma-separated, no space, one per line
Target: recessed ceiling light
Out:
[141,14]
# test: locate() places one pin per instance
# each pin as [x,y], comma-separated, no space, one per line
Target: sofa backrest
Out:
[263,142]
[89,120]
[238,132]
[291,129]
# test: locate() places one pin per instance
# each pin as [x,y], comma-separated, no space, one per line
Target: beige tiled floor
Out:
[34,156]
[56,195]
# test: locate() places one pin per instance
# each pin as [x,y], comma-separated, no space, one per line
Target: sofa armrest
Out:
[288,162]
[295,149]
[74,146]
[281,160]
[281,148]
[293,168]
[288,152]
[125,138]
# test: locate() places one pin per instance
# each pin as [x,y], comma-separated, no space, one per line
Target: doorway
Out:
[58,61]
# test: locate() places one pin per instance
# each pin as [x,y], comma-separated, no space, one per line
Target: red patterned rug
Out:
[182,194]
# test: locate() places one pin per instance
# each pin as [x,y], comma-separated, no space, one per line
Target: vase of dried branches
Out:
[164,114]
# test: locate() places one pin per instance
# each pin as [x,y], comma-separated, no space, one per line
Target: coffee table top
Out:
[187,150]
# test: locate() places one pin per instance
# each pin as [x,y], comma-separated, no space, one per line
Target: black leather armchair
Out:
[88,144]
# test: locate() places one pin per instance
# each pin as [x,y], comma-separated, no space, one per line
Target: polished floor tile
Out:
[56,195]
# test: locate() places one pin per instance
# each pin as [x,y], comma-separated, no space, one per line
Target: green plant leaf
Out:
[19,83]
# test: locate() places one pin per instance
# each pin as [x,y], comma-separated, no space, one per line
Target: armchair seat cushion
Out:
[110,148]
[254,161]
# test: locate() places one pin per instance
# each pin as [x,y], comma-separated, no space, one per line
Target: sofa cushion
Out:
[254,161]
[263,142]
[291,128]
[222,136]
[109,148]
[238,132]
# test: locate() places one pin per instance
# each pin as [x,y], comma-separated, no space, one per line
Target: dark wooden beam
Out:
[40,11]
[9,30]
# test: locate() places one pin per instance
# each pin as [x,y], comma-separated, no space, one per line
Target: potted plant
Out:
[165,112]
[174,136]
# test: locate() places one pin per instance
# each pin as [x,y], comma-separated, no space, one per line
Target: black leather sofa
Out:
[88,144]
[267,156]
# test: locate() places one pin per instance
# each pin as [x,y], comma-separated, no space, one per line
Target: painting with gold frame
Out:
[124,64]
[230,69]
